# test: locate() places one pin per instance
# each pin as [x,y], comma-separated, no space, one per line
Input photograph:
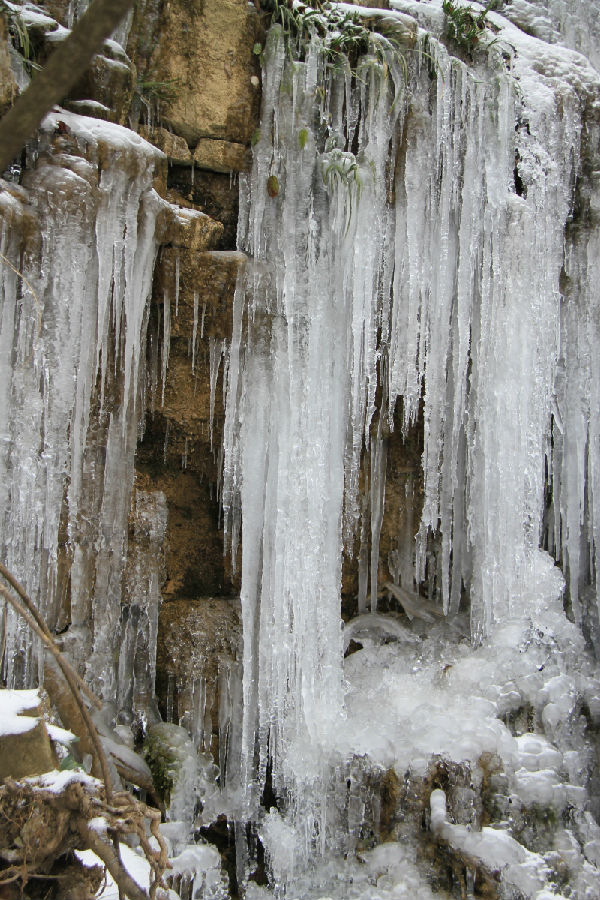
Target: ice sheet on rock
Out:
[495,848]
[196,872]
[139,629]
[374,627]
[64,464]
[387,872]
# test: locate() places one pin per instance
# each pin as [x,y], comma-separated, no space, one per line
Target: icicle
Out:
[378,473]
[202,320]
[90,275]
[166,441]
[166,343]
[215,352]
[195,330]
[170,697]
[413,255]
[302,377]
[363,553]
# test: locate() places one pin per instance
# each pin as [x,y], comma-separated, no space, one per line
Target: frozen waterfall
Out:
[413,241]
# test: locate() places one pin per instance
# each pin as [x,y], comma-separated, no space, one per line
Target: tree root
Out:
[39,825]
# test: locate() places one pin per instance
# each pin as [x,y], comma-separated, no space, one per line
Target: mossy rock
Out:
[166,749]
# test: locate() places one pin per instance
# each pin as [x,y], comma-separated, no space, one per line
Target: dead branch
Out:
[38,826]
[125,814]
[108,855]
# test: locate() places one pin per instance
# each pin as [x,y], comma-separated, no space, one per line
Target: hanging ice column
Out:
[71,345]
[302,379]
[476,316]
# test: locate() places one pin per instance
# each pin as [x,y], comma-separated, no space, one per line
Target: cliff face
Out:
[371,303]
[195,96]
[116,358]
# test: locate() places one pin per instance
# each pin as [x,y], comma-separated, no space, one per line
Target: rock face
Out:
[192,81]
[205,51]
[199,642]
[8,86]
[109,81]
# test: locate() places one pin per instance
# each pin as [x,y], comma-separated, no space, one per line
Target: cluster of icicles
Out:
[395,248]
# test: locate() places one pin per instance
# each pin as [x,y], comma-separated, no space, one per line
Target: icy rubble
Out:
[406,233]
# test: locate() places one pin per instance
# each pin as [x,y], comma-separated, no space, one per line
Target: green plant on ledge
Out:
[19,36]
[465,26]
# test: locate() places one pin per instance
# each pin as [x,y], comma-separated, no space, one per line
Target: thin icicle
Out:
[216,349]
[195,330]
[166,343]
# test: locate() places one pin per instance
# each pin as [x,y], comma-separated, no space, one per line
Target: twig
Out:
[111,860]
[131,813]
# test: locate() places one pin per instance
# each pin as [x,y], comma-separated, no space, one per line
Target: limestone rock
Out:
[221,156]
[205,50]
[110,81]
[215,193]
[173,146]
[195,231]
[375,4]
[197,638]
[91,108]
[29,753]
[61,10]
[212,276]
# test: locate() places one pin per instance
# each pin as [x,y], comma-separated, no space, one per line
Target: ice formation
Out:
[76,319]
[420,240]
[423,250]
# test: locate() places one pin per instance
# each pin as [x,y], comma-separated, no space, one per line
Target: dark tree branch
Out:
[48,87]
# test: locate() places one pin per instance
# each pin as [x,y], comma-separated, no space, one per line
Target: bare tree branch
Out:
[67,63]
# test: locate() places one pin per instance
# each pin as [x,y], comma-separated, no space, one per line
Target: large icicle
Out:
[76,320]
[302,380]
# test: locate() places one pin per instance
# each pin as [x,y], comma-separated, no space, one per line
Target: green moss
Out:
[163,764]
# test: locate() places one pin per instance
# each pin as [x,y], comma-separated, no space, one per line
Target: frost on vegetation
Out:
[414,250]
